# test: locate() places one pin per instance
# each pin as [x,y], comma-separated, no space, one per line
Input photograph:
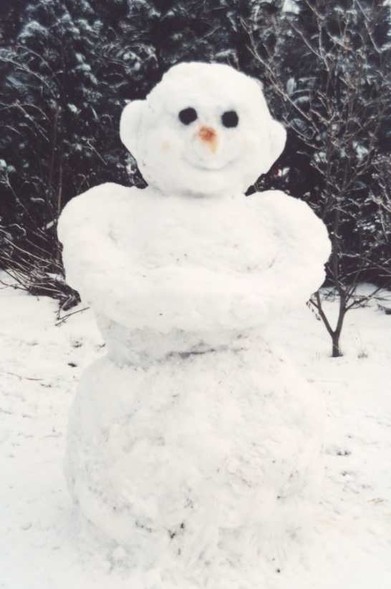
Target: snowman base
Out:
[205,458]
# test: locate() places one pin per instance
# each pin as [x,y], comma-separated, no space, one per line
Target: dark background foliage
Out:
[67,67]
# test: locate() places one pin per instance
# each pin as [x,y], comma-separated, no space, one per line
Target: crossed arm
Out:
[191,297]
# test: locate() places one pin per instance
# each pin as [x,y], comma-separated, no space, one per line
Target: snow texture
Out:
[193,443]
[40,364]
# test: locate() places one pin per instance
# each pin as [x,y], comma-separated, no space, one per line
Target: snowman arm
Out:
[94,263]
[302,249]
[115,286]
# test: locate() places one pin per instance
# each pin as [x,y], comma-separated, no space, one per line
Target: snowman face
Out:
[207,147]
[204,130]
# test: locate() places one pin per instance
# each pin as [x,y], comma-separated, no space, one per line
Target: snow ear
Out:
[277,138]
[130,123]
[273,133]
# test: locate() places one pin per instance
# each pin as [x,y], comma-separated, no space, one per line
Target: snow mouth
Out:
[209,167]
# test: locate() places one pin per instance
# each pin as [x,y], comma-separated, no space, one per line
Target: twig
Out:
[66,317]
[19,376]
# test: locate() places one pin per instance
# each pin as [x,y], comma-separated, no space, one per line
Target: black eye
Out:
[230,118]
[188,115]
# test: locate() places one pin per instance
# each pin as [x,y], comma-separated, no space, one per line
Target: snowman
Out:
[193,444]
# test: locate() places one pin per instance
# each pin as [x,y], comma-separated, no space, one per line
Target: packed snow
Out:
[202,462]
[150,261]
[41,363]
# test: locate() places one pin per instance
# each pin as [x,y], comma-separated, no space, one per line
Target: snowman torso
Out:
[201,269]
[175,263]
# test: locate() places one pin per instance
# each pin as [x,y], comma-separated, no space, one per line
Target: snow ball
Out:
[204,129]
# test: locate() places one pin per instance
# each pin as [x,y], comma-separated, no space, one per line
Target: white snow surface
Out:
[40,364]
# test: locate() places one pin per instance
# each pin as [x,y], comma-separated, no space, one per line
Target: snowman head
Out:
[205,129]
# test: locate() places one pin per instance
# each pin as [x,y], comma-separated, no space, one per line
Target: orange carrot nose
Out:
[209,136]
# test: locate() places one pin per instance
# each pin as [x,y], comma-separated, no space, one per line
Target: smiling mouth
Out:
[207,167]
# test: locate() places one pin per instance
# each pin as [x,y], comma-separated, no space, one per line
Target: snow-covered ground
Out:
[41,361]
